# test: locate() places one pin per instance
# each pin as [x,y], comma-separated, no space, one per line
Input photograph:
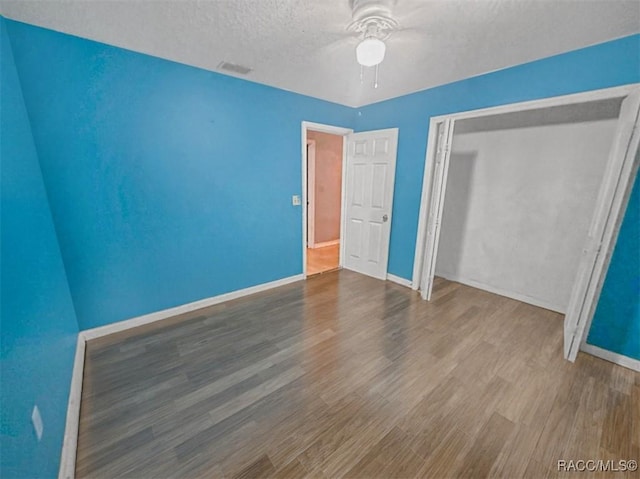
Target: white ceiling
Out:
[303,45]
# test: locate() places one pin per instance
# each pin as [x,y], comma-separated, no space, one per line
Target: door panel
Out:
[370,175]
[354,233]
[375,241]
[358,184]
[610,206]
[378,187]
[444,138]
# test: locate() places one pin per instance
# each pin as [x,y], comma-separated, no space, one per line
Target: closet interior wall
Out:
[521,192]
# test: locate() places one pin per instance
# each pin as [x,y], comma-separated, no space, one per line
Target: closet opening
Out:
[526,200]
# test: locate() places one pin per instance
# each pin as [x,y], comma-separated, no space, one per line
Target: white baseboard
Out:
[616,358]
[185,308]
[70,442]
[325,243]
[399,280]
[502,292]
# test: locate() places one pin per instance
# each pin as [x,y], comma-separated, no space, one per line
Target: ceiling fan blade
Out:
[346,42]
[408,36]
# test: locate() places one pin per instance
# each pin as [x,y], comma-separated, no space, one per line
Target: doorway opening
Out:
[323,196]
[324,201]
[526,200]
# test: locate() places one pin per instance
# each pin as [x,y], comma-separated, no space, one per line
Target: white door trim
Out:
[310,205]
[583,97]
[333,130]
[615,206]
[343,202]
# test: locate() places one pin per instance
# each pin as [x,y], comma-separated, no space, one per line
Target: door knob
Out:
[385,218]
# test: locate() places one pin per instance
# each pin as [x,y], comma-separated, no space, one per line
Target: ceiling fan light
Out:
[370,52]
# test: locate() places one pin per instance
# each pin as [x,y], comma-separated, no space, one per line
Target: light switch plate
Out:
[295,200]
[36,419]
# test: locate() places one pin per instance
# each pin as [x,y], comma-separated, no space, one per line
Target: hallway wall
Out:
[328,185]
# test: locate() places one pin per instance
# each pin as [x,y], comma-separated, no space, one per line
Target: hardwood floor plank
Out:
[586,433]
[390,457]
[248,398]
[293,470]
[262,467]
[109,455]
[291,443]
[514,458]
[486,447]
[480,404]
[336,441]
[447,457]
[616,430]
[557,428]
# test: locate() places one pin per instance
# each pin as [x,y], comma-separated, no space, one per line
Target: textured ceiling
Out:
[303,45]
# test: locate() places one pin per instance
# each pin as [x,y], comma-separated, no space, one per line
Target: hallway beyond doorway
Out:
[321,260]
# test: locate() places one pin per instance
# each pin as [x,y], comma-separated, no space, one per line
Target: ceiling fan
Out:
[372,20]
[375,27]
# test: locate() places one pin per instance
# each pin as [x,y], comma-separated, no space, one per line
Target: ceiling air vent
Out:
[233,68]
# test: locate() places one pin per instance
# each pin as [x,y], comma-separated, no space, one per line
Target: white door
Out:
[603,231]
[370,176]
[437,185]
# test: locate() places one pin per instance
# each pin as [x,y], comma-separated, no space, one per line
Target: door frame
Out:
[617,205]
[333,130]
[310,206]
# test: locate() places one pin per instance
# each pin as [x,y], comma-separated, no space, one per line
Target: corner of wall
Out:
[38,155]
[39,325]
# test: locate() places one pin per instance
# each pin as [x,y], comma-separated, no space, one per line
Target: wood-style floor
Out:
[320,260]
[347,376]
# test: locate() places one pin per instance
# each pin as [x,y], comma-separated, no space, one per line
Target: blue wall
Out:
[37,319]
[616,323]
[167,183]
[601,66]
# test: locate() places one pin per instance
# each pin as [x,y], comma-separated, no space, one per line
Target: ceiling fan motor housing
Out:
[372,18]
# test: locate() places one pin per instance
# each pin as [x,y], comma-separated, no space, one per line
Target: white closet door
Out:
[603,232]
[370,175]
[438,186]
